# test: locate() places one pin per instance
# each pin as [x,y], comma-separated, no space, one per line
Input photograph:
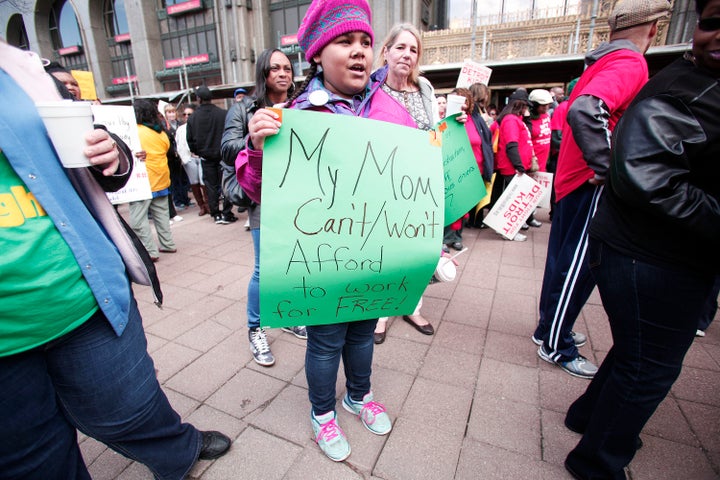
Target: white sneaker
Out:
[177,218]
[260,348]
[699,333]
[519,237]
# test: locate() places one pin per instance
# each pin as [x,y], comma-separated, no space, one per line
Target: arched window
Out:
[65,36]
[16,33]
[115,18]
[64,28]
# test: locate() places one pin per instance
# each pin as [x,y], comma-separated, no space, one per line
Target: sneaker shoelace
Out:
[259,341]
[374,408]
[328,431]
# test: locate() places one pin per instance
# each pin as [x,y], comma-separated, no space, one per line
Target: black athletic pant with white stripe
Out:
[567,282]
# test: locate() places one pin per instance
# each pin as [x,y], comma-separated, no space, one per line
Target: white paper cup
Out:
[445,271]
[67,122]
[454,104]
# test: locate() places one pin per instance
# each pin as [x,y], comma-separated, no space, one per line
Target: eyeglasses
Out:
[710,24]
[186,114]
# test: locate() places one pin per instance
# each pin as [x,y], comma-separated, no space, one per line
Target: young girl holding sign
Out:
[337,36]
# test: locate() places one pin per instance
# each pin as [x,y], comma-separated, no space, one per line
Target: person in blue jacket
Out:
[73,353]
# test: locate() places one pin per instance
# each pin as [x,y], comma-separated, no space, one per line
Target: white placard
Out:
[473,72]
[545,180]
[514,206]
[120,120]
[161,107]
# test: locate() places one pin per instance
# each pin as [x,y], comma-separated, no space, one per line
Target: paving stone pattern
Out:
[471,402]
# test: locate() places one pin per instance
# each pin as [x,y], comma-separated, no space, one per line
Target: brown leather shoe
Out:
[426,329]
[379,338]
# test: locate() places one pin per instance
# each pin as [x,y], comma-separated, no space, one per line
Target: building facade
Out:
[145,47]
[537,43]
[142,47]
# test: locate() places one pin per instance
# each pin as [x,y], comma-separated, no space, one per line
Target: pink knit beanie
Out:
[326,20]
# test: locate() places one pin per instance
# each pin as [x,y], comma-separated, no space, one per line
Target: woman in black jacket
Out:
[273,82]
[653,250]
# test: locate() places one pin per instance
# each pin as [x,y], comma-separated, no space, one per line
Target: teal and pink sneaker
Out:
[371,413]
[329,436]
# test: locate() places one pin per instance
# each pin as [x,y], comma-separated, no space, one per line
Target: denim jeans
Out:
[253,295]
[653,313]
[101,384]
[353,341]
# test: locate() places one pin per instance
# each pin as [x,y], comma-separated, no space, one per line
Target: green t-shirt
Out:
[43,294]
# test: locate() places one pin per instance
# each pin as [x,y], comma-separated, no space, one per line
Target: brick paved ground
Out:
[471,402]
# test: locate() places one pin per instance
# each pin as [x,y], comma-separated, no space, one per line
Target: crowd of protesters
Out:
[632,214]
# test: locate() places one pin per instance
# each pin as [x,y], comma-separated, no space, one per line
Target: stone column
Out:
[146,45]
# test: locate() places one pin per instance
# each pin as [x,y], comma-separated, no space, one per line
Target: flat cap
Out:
[630,13]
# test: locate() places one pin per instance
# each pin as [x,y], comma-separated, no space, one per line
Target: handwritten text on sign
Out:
[464,186]
[351,219]
[121,121]
[514,206]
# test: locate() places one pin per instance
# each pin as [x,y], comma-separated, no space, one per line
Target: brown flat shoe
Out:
[379,338]
[424,329]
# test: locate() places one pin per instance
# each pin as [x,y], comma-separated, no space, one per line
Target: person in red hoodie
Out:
[557,120]
[515,151]
[616,71]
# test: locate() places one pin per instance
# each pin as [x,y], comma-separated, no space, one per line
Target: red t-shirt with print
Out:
[540,134]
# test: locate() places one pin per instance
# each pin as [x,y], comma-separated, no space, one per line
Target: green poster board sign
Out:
[352,219]
[464,186]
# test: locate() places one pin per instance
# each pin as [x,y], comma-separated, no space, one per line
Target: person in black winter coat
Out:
[204,135]
[653,250]
[273,81]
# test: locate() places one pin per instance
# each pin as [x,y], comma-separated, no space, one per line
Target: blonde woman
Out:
[399,64]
